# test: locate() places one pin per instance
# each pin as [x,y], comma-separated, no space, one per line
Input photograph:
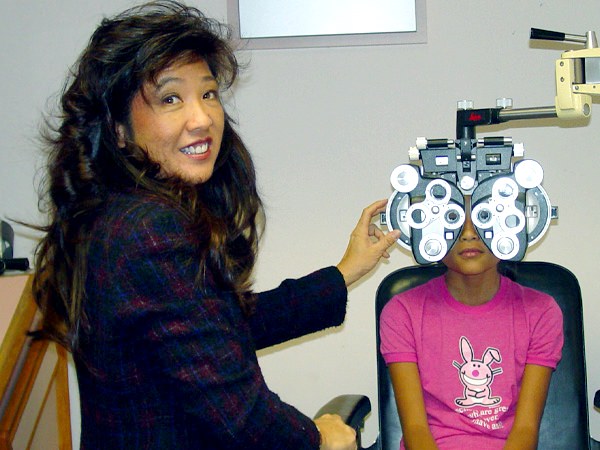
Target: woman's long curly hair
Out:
[86,164]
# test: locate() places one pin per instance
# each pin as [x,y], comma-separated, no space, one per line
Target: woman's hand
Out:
[368,244]
[335,434]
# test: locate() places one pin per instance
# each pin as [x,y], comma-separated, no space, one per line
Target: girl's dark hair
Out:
[85,162]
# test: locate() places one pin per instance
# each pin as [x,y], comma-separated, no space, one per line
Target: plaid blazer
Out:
[161,365]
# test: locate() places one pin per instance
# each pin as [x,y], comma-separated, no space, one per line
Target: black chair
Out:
[565,421]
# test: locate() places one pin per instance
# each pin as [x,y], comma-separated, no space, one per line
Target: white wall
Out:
[326,127]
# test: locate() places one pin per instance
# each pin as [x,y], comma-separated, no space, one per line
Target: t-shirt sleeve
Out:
[546,322]
[396,332]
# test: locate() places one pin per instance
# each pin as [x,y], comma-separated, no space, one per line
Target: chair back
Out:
[565,420]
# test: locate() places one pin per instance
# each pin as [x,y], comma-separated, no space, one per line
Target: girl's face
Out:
[469,255]
[178,121]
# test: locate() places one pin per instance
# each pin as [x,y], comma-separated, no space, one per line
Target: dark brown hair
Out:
[85,164]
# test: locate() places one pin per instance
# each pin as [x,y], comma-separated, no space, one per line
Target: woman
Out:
[144,271]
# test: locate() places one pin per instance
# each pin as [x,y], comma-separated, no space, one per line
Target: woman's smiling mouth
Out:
[196,149]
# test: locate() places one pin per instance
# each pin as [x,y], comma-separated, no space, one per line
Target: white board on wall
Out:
[324,23]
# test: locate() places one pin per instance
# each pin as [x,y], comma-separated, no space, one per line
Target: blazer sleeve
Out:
[298,307]
[201,346]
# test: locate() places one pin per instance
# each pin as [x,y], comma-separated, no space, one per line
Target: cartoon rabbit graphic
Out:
[476,375]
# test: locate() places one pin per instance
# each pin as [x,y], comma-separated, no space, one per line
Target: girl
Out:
[470,354]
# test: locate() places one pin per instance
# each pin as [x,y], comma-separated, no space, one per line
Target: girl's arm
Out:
[530,407]
[411,406]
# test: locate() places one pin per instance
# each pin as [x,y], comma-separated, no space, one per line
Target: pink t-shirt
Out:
[471,358]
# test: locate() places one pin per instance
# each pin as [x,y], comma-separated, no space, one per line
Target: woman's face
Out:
[178,121]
